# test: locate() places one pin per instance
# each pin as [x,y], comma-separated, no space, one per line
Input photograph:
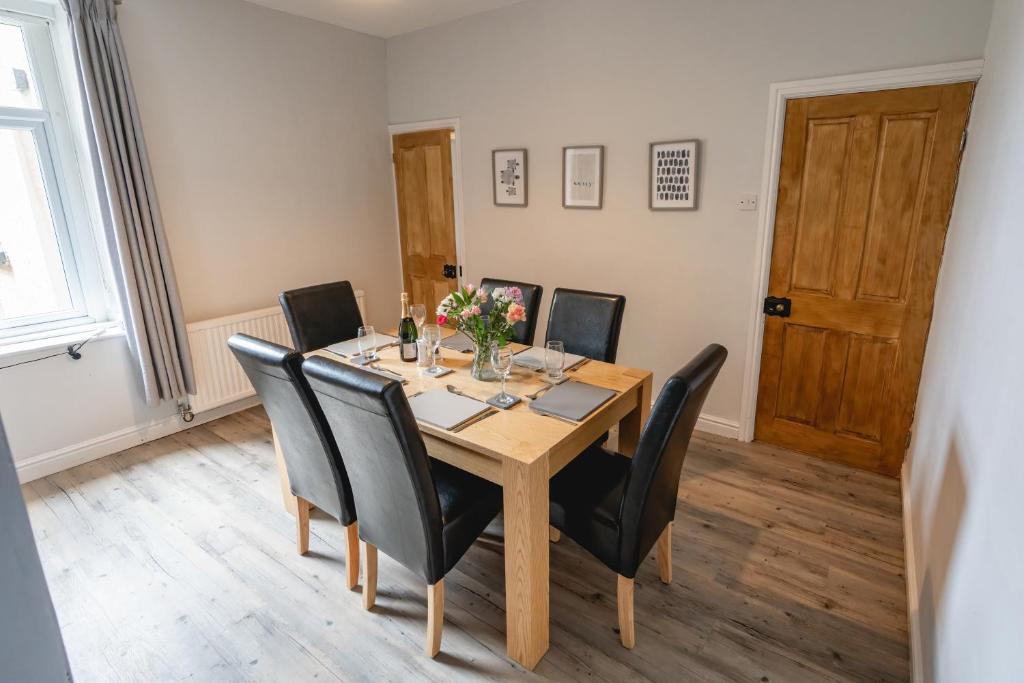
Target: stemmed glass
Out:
[367,342]
[432,333]
[554,359]
[501,361]
[419,315]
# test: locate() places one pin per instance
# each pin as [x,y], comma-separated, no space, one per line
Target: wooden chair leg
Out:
[665,554]
[302,525]
[435,617]
[352,555]
[554,534]
[627,628]
[369,574]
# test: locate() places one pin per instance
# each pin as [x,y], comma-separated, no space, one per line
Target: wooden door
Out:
[865,192]
[426,215]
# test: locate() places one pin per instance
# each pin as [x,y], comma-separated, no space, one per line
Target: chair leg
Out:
[665,554]
[352,555]
[369,574]
[302,525]
[554,534]
[627,628]
[435,617]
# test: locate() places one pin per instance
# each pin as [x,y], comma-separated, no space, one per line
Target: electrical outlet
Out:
[748,202]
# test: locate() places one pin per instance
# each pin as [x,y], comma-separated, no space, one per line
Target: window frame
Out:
[59,150]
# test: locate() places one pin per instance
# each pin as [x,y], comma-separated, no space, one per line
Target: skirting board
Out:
[45,464]
[913,623]
[719,426]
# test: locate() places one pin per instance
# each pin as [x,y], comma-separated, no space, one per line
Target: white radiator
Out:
[219,378]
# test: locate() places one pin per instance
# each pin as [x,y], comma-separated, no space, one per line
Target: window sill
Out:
[58,340]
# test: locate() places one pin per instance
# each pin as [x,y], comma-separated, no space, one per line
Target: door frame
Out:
[778,95]
[433,124]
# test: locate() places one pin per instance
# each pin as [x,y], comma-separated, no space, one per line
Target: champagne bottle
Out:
[406,332]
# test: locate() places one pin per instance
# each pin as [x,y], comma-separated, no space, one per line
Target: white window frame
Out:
[65,177]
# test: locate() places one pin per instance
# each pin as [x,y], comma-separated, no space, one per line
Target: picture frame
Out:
[674,175]
[583,177]
[509,179]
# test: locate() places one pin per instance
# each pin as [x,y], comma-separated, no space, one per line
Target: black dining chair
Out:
[423,513]
[321,315]
[316,474]
[617,507]
[523,331]
[587,323]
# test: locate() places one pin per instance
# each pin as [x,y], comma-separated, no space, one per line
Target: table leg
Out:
[632,425]
[526,559]
[291,503]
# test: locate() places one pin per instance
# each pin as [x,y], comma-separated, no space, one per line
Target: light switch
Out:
[748,202]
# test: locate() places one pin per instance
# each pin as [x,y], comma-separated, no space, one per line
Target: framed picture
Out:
[675,175]
[509,169]
[583,177]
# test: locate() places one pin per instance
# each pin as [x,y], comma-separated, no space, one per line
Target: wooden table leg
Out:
[632,425]
[526,559]
[291,503]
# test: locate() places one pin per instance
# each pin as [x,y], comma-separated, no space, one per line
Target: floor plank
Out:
[176,560]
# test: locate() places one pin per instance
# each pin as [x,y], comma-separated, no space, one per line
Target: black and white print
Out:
[674,174]
[509,169]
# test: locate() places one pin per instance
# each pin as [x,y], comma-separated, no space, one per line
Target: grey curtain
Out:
[134,228]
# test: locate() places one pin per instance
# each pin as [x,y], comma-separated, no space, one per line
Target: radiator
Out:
[219,378]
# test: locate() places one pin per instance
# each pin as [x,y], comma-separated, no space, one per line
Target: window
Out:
[49,267]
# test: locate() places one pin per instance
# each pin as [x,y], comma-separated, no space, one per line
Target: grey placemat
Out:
[444,409]
[572,400]
[459,342]
[350,347]
[533,359]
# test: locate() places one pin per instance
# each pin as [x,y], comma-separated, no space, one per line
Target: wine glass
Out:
[419,315]
[501,361]
[432,333]
[554,359]
[367,340]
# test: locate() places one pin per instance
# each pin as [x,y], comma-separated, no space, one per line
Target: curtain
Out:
[134,229]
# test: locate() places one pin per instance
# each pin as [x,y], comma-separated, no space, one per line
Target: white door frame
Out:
[433,124]
[778,95]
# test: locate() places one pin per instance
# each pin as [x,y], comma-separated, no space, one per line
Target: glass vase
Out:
[482,368]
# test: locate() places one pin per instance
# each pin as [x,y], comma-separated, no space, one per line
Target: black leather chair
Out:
[523,332]
[422,512]
[302,440]
[588,323]
[618,508]
[321,315]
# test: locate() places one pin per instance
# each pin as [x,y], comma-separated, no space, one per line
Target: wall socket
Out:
[748,202]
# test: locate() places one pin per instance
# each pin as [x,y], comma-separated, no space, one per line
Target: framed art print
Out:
[674,175]
[583,177]
[508,166]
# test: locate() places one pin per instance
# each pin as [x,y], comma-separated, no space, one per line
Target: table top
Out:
[518,432]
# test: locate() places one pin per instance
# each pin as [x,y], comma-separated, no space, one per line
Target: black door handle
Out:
[778,306]
[449,271]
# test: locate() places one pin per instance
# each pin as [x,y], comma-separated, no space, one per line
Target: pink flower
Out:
[466,313]
[482,295]
[515,294]
[469,289]
[476,310]
[442,320]
[516,313]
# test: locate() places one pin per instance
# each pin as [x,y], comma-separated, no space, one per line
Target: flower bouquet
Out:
[464,307]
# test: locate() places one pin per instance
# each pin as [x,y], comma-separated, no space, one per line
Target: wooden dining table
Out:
[520,450]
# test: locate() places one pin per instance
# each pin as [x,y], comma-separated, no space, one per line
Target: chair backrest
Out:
[387,462]
[321,315]
[649,500]
[315,469]
[523,332]
[588,323]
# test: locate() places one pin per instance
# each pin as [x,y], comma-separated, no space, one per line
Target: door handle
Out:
[449,271]
[778,306]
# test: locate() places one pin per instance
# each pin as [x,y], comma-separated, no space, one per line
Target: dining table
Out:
[519,450]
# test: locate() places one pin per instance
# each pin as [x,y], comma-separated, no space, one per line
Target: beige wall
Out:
[544,74]
[269,146]
[965,481]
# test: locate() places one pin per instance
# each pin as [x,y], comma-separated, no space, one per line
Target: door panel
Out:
[423,181]
[865,190]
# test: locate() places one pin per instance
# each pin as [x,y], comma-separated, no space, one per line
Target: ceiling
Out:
[385,18]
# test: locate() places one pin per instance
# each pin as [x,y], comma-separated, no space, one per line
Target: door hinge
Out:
[460,271]
[963,141]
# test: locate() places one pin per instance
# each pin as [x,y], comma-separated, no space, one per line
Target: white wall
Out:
[269,145]
[965,473]
[549,73]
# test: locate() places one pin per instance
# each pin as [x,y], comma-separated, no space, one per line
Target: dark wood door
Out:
[865,192]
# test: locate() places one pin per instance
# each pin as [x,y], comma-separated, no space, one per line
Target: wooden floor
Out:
[175,560]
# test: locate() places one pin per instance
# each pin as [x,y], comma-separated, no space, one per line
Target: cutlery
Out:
[579,365]
[380,368]
[537,393]
[454,390]
[473,420]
